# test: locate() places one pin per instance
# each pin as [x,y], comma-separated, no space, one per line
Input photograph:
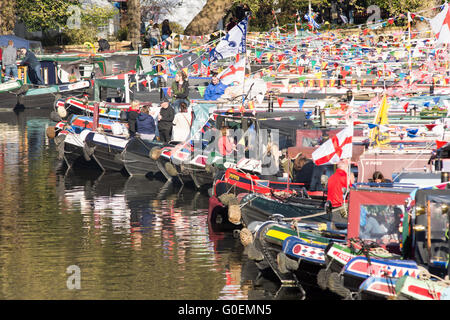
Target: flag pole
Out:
[245,66]
[409,48]
[349,168]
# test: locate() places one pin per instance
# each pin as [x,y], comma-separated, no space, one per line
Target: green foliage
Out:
[97,16]
[7,16]
[263,20]
[176,27]
[44,14]
[396,7]
[122,34]
[91,19]
[80,36]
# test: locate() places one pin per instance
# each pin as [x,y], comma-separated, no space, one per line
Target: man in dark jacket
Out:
[165,119]
[103,45]
[34,66]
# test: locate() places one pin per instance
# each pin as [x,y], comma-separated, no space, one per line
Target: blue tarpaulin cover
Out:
[20,42]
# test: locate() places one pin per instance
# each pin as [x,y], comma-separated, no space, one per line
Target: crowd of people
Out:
[154,37]
[171,121]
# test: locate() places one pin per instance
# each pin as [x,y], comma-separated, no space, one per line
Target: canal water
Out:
[81,234]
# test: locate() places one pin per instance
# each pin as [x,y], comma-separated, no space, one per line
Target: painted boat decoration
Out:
[311,251]
[361,267]
[80,123]
[10,85]
[411,288]
[378,288]
[106,110]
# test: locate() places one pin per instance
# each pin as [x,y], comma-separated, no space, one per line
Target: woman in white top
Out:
[182,124]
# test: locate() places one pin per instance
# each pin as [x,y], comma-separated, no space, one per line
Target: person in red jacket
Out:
[337,183]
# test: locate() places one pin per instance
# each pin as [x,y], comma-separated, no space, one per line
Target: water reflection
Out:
[132,238]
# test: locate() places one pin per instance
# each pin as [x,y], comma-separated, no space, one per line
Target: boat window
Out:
[380,223]
[309,142]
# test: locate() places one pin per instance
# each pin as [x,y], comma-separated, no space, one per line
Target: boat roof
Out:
[386,187]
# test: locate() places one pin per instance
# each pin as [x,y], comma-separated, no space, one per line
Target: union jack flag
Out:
[312,21]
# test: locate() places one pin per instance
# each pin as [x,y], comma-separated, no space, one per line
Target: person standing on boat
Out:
[153,36]
[165,121]
[9,57]
[166,32]
[225,143]
[34,66]
[145,124]
[215,89]
[180,90]
[133,114]
[182,124]
[304,169]
[338,183]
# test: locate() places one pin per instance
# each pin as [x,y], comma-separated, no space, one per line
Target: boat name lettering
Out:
[374,163]
[234,177]
[341,255]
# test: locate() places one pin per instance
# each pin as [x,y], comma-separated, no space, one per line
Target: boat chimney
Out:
[95,118]
[160,86]
[349,95]
[323,119]
[317,110]
[444,176]
[413,111]
[270,102]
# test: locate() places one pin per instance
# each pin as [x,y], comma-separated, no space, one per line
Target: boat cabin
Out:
[376,214]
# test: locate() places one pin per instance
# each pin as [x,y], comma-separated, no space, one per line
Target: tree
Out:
[7,16]
[44,14]
[396,7]
[91,19]
[134,22]
[206,20]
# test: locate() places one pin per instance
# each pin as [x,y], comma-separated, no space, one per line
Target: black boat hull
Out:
[137,161]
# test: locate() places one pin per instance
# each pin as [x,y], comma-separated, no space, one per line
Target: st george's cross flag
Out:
[336,148]
[440,25]
[234,73]
[232,43]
